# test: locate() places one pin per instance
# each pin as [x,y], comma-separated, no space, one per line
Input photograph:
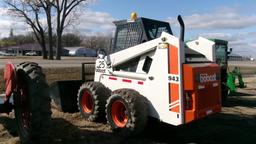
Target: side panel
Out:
[174,79]
[165,90]
[163,84]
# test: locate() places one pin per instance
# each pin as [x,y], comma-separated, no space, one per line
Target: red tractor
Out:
[26,91]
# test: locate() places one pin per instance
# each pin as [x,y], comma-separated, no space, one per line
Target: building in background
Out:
[34,49]
[81,51]
[236,57]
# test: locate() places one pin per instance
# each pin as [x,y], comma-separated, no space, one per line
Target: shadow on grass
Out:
[241,99]
[63,132]
[9,124]
[240,94]
[215,129]
[219,128]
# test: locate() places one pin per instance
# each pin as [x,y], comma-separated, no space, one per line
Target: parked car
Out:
[6,54]
[31,54]
[86,52]
[2,53]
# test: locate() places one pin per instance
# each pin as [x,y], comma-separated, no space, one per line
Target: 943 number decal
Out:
[173,78]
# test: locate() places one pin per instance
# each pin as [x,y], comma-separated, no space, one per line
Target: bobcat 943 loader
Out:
[147,76]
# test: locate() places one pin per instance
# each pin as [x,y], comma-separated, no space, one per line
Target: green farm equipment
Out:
[231,80]
[215,50]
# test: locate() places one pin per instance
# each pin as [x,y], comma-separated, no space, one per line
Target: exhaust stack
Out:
[182,28]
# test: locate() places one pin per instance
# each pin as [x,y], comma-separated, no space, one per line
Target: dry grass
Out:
[54,74]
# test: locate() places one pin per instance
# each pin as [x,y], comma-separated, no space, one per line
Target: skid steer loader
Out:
[147,76]
[27,92]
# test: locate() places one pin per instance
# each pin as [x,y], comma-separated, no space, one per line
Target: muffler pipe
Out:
[182,28]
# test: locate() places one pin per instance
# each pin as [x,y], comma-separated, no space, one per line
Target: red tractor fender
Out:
[10,80]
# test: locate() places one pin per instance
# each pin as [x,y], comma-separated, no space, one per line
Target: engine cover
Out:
[202,90]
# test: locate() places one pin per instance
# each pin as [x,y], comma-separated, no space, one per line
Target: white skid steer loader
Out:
[147,76]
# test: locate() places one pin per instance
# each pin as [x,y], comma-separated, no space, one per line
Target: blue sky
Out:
[231,20]
[162,9]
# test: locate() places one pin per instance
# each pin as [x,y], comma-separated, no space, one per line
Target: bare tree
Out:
[90,42]
[47,6]
[63,10]
[71,39]
[97,42]
[32,10]
[29,10]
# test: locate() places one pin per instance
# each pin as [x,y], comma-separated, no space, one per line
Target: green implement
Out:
[231,80]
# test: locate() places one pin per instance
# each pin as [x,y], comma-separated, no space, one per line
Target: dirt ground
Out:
[236,124]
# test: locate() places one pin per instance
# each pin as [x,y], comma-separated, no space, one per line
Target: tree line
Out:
[58,15]
[68,40]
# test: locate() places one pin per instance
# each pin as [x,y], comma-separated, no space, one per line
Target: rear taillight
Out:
[188,101]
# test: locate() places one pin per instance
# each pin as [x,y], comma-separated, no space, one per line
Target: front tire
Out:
[32,104]
[127,112]
[92,97]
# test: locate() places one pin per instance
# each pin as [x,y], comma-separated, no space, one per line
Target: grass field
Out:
[54,74]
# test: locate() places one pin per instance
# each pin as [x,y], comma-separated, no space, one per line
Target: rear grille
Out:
[208,98]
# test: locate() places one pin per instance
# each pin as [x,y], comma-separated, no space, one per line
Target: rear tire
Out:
[127,112]
[92,97]
[32,104]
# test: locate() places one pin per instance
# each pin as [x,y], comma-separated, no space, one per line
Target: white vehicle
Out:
[2,53]
[6,54]
[149,79]
[31,54]
[145,76]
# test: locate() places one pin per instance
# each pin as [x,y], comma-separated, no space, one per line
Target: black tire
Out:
[92,97]
[32,104]
[136,112]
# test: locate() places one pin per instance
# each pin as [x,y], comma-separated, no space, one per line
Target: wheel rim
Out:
[87,102]
[119,113]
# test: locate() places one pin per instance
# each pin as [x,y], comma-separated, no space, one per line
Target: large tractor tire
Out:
[32,104]
[127,112]
[92,97]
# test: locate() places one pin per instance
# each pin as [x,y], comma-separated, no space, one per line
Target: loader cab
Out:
[221,53]
[221,47]
[133,32]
